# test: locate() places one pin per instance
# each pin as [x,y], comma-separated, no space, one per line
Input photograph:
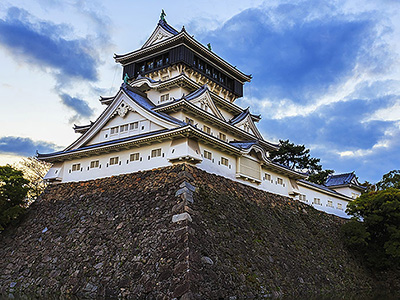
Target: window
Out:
[165,78]
[189,121]
[114,130]
[164,97]
[222,136]
[354,195]
[150,65]
[123,128]
[267,176]
[279,181]
[207,154]
[206,129]
[94,164]
[114,160]
[317,201]
[224,161]
[134,156]
[339,206]
[303,198]
[330,203]
[76,167]
[156,152]
[134,126]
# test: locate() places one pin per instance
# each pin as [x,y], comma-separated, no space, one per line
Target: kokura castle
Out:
[177,104]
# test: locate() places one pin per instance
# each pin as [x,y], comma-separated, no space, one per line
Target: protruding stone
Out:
[207,260]
[181,217]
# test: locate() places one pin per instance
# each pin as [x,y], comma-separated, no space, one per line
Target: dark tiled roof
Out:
[240,117]
[168,27]
[339,179]
[322,187]
[130,138]
[144,102]
[244,144]
[196,93]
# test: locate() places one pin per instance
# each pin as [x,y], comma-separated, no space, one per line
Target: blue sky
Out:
[325,73]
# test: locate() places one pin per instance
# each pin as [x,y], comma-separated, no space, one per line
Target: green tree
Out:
[296,157]
[34,170]
[379,213]
[320,177]
[13,190]
[389,180]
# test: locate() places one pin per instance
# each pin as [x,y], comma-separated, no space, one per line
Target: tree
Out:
[379,214]
[13,190]
[320,177]
[389,180]
[34,170]
[296,157]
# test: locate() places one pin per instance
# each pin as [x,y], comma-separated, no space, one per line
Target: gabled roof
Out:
[346,179]
[162,31]
[82,128]
[323,188]
[243,115]
[244,144]
[245,119]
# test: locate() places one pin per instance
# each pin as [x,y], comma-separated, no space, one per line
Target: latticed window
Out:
[134,126]
[267,177]
[94,164]
[222,136]
[279,181]
[224,161]
[134,156]
[76,167]
[123,128]
[114,160]
[339,206]
[164,97]
[114,130]
[156,152]
[330,203]
[207,154]
[317,201]
[207,129]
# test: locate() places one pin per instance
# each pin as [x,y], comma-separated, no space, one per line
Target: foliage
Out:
[380,215]
[34,170]
[13,190]
[320,177]
[389,180]
[296,157]
[371,187]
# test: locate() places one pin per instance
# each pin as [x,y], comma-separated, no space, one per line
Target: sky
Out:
[326,74]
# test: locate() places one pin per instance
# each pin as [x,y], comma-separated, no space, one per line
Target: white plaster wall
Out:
[348,191]
[174,93]
[311,194]
[144,126]
[272,185]
[125,166]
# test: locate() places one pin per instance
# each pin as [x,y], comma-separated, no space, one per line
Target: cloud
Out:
[45,45]
[25,146]
[78,105]
[294,52]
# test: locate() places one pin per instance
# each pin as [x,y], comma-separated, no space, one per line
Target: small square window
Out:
[279,181]
[222,136]
[330,203]
[317,201]
[114,130]
[164,97]
[114,160]
[134,126]
[267,177]
[76,167]
[224,161]
[156,152]
[123,128]
[339,206]
[207,154]
[94,164]
[134,157]
[207,129]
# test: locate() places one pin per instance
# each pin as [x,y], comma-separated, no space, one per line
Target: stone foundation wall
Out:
[175,232]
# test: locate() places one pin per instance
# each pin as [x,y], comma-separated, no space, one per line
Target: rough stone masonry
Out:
[174,233]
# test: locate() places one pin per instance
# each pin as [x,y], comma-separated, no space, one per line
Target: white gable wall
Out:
[348,191]
[143,126]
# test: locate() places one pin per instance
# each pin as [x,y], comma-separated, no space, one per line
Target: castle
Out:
[177,104]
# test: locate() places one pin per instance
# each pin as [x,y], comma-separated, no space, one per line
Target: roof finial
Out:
[162,16]
[126,78]
[209,46]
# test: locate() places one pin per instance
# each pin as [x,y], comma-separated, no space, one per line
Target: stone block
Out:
[181,217]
